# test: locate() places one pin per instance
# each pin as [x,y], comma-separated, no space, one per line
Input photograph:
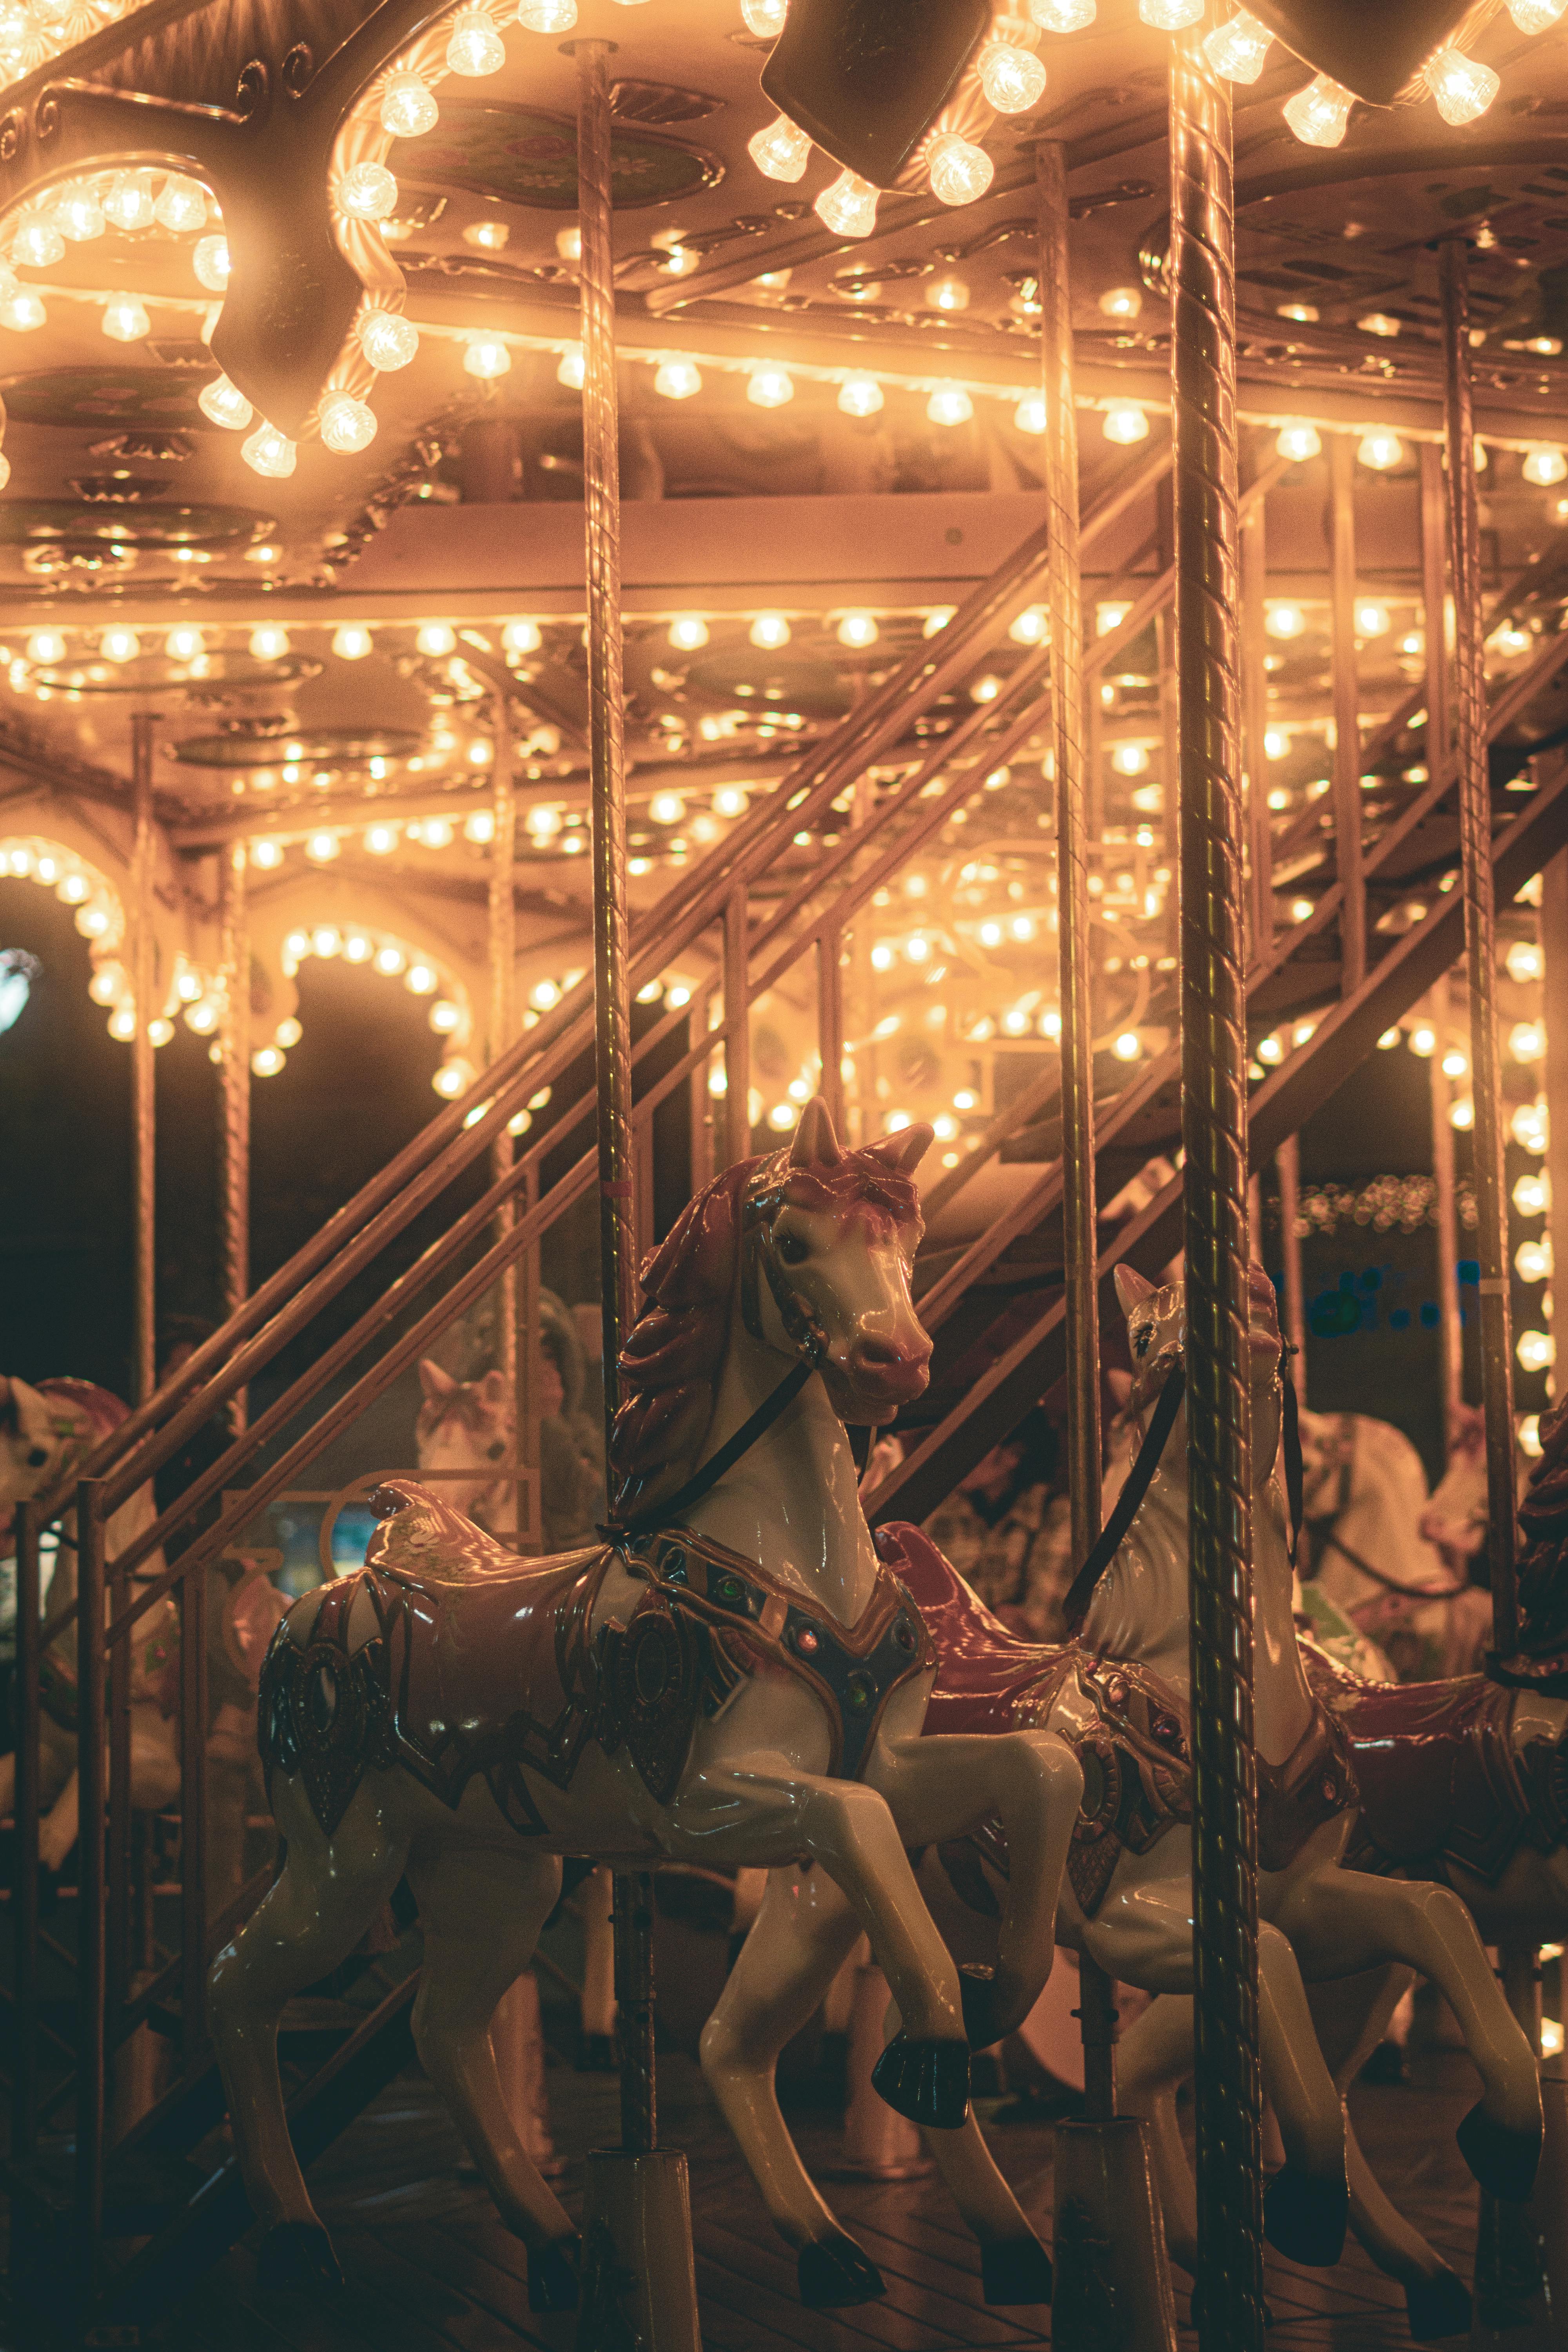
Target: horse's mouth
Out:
[875,1398]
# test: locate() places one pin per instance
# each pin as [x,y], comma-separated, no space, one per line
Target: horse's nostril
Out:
[873,1354]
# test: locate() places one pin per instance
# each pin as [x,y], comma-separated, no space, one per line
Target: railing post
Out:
[235,1172]
[502,912]
[29,1645]
[144,1119]
[193,1592]
[1450,1329]
[1347,716]
[531,1488]
[830,1022]
[1214,1135]
[1288,1173]
[118,1971]
[737,1029]
[91,1984]
[1434,604]
[1254,699]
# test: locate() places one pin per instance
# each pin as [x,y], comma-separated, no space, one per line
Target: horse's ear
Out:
[906,1150]
[815,1145]
[492,1387]
[434,1380]
[1132,1288]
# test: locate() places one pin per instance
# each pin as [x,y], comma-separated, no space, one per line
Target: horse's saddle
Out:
[480,1663]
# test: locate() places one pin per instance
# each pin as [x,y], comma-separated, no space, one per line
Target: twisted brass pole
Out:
[510,1346]
[1214,1137]
[144,1132]
[235,1170]
[1480,942]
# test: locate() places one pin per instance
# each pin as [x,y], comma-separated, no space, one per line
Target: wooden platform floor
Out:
[431,2270]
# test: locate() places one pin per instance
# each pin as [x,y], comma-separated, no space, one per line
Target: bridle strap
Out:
[1295,1473]
[1145,1462]
[703,1481]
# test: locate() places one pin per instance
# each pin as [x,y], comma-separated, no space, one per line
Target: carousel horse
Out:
[1119,1693]
[470,1427]
[733,1677]
[46,1434]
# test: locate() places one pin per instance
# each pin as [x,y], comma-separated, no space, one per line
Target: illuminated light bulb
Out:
[185,644]
[1303,314]
[569,247]
[543,822]
[266,1062]
[985,689]
[1522,962]
[570,372]
[80,216]
[1121,302]
[387,339]
[486,358]
[848,206]
[320,849]
[347,425]
[265,854]
[123,1025]
[269,452]
[23,311]
[859,395]
[119,644]
[1171,16]
[1372,620]
[270,642]
[1454,1065]
[1533,1261]
[1062,16]
[687,632]
[46,646]
[1544,467]
[352,643]
[1032,627]
[437,639]
[547,16]
[125,319]
[367,192]
[764,17]
[1110,617]
[1300,442]
[770,387]
[1317,114]
[1462,1114]
[475,47]
[782,152]
[961,172]
[211,263]
[182,205]
[488,235]
[1275,744]
[1381,451]
[769,632]
[37,245]
[128,204]
[1424,1041]
[1127,1046]
[1461,87]
[224,404]
[1130,759]
[1030,417]
[1236,51]
[1535,16]
[667,808]
[1527,1041]
[730,801]
[381,840]
[1532,1196]
[950,405]
[1013,79]
[1536,1350]
[677,379]
[947,294]
[1125,424]
[1284,621]
[407,108]
[857,629]
[1389,1039]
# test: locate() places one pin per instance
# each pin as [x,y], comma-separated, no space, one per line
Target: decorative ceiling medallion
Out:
[118,489]
[525,157]
[140,397]
[27,521]
[661,101]
[765,688]
[155,671]
[145,449]
[342,746]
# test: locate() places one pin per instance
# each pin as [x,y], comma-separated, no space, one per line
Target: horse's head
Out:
[829,1240]
[1157,1336]
[1457,1517]
[34,1440]
[465,1426]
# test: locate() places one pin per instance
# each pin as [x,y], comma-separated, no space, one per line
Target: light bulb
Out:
[677,379]
[1527,1041]
[268,642]
[1030,417]
[521,637]
[770,387]
[407,107]
[1462,87]
[1032,627]
[475,47]
[211,263]
[950,405]
[320,849]
[547,16]
[46,646]
[387,339]
[1544,467]
[848,206]
[769,632]
[23,311]
[1062,16]
[570,372]
[667,808]
[1121,302]
[1013,79]
[367,192]
[1381,451]
[269,452]
[947,294]
[1536,1350]
[128,204]
[1317,114]
[859,630]
[182,205]
[1372,620]
[687,631]
[119,644]
[225,403]
[125,319]
[859,395]
[1124,425]
[782,150]
[1236,51]
[1535,16]
[1300,442]
[351,643]
[1171,16]
[764,17]
[959,171]
[347,425]
[437,640]
[80,216]
[185,644]
[37,245]
[486,358]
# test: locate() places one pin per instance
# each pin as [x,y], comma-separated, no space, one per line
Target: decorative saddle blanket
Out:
[478,1663]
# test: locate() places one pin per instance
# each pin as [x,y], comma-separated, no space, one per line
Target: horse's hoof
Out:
[297,2258]
[1305,2217]
[977,1992]
[596,2054]
[553,2276]
[833,2273]
[1503,2161]
[1438,2306]
[1016,2269]
[925,2081]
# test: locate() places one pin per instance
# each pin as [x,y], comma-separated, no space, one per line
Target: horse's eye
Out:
[38,1457]
[493,1453]
[793,1249]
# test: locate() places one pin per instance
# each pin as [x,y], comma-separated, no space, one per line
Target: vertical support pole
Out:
[118,1971]
[531,1487]
[1288,1173]
[1480,943]
[1347,716]
[193,1592]
[1554,1007]
[830,1021]
[29,1647]
[235,1169]
[1450,1327]
[502,929]
[143,1130]
[1255,695]
[90,1956]
[1434,605]
[737,1029]
[702,1102]
[1214,1135]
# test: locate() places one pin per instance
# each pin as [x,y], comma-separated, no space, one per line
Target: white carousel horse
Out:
[1121,1698]
[46,1434]
[735,1680]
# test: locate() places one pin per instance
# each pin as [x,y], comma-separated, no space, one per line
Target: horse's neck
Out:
[792,1502]
[1380,1520]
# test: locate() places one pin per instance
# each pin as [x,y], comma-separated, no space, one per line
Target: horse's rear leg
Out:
[482,1912]
[326,1897]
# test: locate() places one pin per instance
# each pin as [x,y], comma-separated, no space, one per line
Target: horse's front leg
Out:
[943,1787]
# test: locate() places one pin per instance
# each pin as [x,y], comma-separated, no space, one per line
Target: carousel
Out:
[869,1645]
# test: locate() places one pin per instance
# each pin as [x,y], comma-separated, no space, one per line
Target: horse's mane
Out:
[672,1359]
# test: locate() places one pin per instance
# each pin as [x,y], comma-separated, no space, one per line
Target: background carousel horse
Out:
[1120,1694]
[46,1434]
[736,1680]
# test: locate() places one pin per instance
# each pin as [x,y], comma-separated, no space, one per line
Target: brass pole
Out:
[91,1954]
[1255,690]
[510,1346]
[1554,932]
[1480,943]
[1434,604]
[28,1728]
[1347,717]
[1450,1329]
[234,1168]
[738,1028]
[1288,1170]
[1214,1136]
[143,1132]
